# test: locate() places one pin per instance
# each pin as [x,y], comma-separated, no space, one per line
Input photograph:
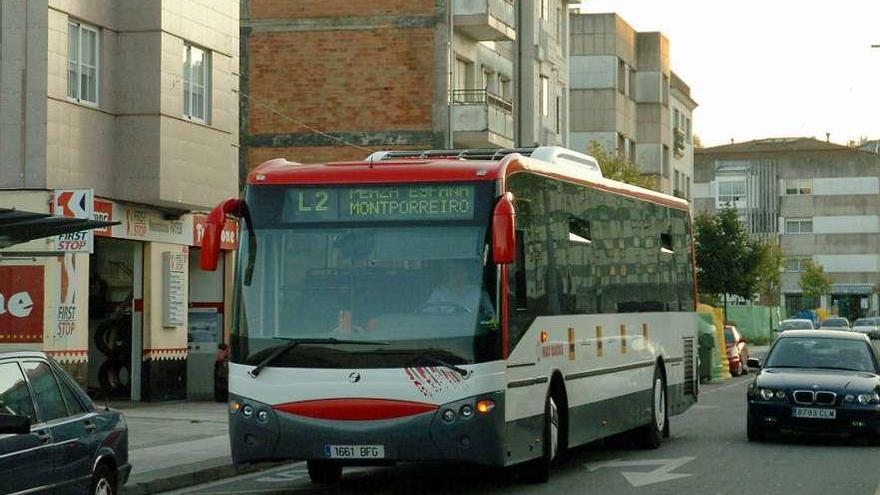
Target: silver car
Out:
[868,326]
[835,323]
[793,324]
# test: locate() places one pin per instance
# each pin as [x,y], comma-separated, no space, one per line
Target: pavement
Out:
[177,444]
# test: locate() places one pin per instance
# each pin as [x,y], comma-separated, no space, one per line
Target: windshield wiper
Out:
[292,343]
[426,357]
[834,368]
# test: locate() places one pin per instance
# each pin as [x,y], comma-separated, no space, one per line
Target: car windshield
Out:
[835,323]
[864,322]
[806,352]
[347,263]
[796,325]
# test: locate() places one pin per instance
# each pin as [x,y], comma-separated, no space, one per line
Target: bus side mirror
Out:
[504,231]
[213,228]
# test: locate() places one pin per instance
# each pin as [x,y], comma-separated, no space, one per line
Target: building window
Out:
[83,52]
[675,119]
[559,19]
[558,115]
[665,90]
[798,225]
[665,159]
[504,84]
[621,76]
[195,83]
[796,263]
[731,191]
[632,83]
[797,187]
[545,10]
[545,96]
[687,130]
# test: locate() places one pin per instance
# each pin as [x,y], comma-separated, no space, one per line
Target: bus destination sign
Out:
[380,203]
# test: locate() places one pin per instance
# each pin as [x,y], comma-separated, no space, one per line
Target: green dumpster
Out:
[706,343]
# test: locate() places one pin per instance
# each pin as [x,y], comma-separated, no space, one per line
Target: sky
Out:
[770,68]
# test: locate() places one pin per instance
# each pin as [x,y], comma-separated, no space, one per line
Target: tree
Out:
[814,281]
[678,143]
[769,272]
[697,143]
[727,259]
[618,168]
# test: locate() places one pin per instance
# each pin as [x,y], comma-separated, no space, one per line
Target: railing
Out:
[500,9]
[480,97]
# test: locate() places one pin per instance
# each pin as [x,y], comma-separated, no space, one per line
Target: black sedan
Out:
[52,437]
[816,381]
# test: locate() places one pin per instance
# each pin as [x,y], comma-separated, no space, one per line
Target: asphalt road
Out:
[707,454]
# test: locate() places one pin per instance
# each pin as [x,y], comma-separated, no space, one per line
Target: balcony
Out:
[481,119]
[485,20]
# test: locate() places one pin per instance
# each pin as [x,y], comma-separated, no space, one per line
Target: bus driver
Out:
[459,293]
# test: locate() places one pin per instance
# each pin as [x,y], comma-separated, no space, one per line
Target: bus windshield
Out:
[406,267]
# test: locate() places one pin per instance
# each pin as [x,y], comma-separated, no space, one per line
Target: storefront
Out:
[118,317]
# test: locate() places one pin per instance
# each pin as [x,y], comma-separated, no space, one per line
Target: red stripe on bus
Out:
[355,409]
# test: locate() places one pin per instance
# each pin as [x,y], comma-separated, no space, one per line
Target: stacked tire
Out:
[113,339]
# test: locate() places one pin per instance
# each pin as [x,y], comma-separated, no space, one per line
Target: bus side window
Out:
[520,299]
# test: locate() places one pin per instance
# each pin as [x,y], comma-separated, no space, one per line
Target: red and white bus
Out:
[486,306]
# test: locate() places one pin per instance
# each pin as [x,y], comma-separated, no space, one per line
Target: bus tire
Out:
[538,470]
[651,435]
[324,472]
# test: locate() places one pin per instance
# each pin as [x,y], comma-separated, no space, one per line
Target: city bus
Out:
[485,306]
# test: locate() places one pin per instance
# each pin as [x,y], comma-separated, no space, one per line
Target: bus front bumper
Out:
[477,438]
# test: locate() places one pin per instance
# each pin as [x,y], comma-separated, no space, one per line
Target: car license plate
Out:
[354,451]
[813,413]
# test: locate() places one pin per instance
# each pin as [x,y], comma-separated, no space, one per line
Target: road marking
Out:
[642,478]
[703,406]
[225,481]
[877,491]
[284,476]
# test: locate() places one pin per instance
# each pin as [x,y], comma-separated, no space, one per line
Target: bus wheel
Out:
[324,472]
[650,435]
[538,470]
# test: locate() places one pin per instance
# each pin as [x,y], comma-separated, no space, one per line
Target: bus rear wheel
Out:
[650,435]
[324,472]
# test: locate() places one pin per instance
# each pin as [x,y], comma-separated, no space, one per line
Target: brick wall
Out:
[332,8]
[341,80]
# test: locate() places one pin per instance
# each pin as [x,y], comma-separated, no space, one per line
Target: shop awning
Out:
[18,226]
[853,289]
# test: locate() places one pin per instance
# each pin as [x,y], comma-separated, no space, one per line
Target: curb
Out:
[185,480]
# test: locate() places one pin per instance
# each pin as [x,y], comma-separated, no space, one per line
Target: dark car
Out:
[823,381]
[52,437]
[737,351]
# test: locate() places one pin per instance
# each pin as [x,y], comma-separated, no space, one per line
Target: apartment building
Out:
[819,199]
[625,96]
[327,81]
[128,111]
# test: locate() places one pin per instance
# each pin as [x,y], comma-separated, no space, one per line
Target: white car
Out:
[835,323]
[793,324]
[868,326]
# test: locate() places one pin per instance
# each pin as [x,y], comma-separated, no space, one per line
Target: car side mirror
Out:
[13,423]
[753,363]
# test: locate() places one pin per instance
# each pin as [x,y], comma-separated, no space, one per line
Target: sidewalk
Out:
[176,444]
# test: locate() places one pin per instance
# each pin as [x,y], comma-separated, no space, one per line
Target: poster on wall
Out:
[74,203]
[21,304]
[174,270]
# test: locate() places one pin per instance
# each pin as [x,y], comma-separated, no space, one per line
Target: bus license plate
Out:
[813,413]
[354,451]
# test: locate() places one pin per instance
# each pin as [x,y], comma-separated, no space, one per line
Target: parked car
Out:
[793,324]
[816,381]
[835,323]
[53,438]
[868,326]
[737,351]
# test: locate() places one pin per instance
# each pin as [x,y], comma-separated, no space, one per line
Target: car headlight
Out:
[864,399]
[767,394]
